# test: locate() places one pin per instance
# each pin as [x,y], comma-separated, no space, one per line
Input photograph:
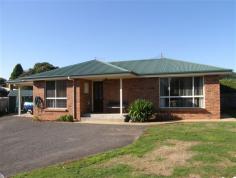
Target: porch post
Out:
[121,97]
[74,102]
[92,95]
[19,101]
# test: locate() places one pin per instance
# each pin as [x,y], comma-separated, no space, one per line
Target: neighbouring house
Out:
[187,90]
[3,100]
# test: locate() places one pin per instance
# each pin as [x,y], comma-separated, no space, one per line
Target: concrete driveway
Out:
[27,144]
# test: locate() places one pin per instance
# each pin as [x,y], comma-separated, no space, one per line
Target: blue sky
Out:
[65,32]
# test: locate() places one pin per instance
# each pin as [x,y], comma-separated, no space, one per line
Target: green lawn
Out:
[173,150]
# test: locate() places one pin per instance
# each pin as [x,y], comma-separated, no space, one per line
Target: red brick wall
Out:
[111,93]
[143,88]
[212,93]
[148,88]
[52,114]
[82,101]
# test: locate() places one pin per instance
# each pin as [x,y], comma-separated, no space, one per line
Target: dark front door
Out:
[98,97]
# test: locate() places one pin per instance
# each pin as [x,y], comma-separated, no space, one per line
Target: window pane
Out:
[61,88]
[164,102]
[50,89]
[198,86]
[198,102]
[50,103]
[86,88]
[181,86]
[181,102]
[61,103]
[164,87]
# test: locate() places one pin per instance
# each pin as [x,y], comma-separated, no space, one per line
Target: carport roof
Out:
[22,93]
[163,66]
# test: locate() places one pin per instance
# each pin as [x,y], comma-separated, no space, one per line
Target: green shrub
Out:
[140,110]
[36,118]
[127,118]
[66,118]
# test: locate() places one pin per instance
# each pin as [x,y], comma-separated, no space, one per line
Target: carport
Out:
[21,92]
[25,95]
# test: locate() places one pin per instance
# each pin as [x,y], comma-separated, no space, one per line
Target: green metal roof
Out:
[166,66]
[93,67]
[162,66]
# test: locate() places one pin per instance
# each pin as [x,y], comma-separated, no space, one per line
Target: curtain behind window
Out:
[198,86]
[50,89]
[181,86]
[61,88]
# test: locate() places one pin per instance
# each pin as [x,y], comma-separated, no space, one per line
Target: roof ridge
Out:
[136,60]
[112,65]
[170,59]
[180,60]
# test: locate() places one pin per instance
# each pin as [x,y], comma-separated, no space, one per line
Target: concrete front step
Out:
[103,117]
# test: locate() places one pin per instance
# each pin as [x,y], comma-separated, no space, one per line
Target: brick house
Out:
[184,89]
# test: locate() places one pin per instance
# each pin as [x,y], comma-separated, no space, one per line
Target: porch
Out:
[84,98]
[91,97]
[111,97]
[107,97]
[102,117]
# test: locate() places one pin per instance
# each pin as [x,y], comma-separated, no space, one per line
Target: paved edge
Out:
[156,123]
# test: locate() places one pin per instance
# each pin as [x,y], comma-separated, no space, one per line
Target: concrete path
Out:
[121,122]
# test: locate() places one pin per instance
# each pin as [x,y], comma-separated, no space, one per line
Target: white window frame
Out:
[54,98]
[192,96]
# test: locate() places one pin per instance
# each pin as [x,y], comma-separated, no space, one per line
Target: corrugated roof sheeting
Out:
[137,67]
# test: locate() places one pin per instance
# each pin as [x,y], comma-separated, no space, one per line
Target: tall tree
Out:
[43,67]
[3,92]
[38,68]
[2,81]
[17,71]
[27,72]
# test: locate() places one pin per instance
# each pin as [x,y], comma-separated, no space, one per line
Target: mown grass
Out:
[215,154]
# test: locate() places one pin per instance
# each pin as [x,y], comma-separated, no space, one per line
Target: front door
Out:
[98,97]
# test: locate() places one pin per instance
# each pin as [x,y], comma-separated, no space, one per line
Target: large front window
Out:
[56,94]
[181,92]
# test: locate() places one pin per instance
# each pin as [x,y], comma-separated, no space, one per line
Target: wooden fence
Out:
[228,100]
[4,104]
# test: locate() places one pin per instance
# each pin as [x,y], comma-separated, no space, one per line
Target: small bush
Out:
[66,118]
[140,110]
[127,118]
[36,118]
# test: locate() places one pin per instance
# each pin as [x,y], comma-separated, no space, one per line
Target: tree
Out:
[17,71]
[42,67]
[3,92]
[27,72]
[38,68]
[2,81]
